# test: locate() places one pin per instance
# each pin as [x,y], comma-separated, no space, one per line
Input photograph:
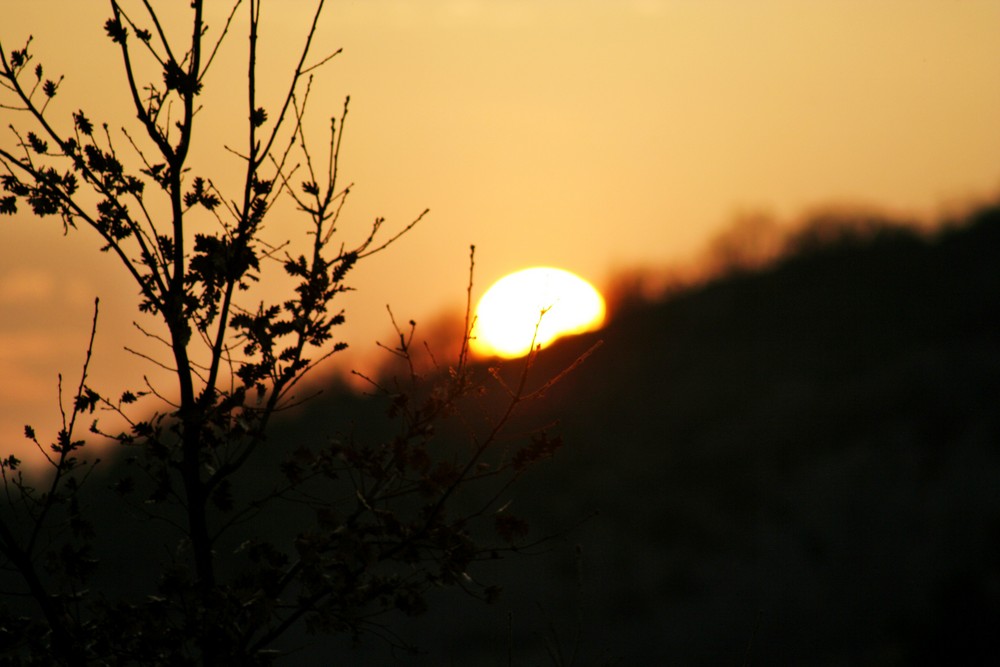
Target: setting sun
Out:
[557,302]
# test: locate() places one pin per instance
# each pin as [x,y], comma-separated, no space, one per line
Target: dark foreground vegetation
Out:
[797,465]
[206,538]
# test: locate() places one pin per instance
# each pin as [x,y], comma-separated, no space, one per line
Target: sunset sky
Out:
[590,135]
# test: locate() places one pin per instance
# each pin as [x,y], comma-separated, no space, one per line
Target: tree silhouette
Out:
[370,526]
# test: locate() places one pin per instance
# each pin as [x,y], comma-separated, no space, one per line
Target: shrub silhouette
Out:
[366,526]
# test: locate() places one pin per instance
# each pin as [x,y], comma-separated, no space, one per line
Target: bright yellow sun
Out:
[557,302]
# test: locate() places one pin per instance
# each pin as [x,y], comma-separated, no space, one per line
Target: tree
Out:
[375,523]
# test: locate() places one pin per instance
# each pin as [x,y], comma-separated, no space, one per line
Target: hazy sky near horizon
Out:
[590,135]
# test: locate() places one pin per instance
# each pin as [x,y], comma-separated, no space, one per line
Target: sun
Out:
[554,301]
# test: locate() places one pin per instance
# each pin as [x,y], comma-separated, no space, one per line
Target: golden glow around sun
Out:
[557,302]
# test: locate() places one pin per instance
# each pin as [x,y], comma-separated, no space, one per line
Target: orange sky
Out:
[590,135]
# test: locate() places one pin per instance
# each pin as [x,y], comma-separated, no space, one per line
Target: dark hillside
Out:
[818,443]
[794,466]
[805,458]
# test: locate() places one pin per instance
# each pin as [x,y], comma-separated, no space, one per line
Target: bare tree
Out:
[374,526]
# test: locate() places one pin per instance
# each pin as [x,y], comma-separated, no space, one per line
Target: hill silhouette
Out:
[806,454]
[793,465]
[796,464]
